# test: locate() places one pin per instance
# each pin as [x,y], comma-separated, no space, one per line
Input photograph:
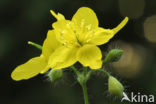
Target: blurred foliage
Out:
[29,20]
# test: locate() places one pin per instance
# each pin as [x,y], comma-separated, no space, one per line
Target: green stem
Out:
[82,79]
[85,94]
[105,72]
[75,70]
[89,74]
[85,71]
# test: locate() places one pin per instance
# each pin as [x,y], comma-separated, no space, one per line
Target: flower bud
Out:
[55,75]
[115,87]
[113,55]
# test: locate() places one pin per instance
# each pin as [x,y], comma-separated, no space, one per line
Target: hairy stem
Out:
[85,93]
[105,72]
[82,78]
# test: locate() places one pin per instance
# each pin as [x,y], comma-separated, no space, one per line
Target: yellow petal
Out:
[57,16]
[30,69]
[121,25]
[64,32]
[61,26]
[90,55]
[102,36]
[63,57]
[50,44]
[85,18]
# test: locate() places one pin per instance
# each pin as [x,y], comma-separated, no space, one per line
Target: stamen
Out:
[90,34]
[79,43]
[89,26]
[68,42]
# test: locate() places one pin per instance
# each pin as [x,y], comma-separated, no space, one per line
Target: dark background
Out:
[29,20]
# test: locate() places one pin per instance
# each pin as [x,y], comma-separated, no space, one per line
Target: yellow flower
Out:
[70,41]
[79,38]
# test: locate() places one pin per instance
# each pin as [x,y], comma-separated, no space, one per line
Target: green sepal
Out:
[54,75]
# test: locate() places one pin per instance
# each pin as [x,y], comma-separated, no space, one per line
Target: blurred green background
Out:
[29,20]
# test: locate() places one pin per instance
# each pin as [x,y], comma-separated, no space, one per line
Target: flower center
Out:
[74,35]
[83,31]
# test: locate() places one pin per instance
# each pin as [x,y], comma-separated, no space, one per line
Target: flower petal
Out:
[90,55]
[102,36]
[121,25]
[61,25]
[58,16]
[85,17]
[64,32]
[63,57]
[30,69]
[50,44]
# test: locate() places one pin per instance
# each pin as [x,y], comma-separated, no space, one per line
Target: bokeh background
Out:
[29,20]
